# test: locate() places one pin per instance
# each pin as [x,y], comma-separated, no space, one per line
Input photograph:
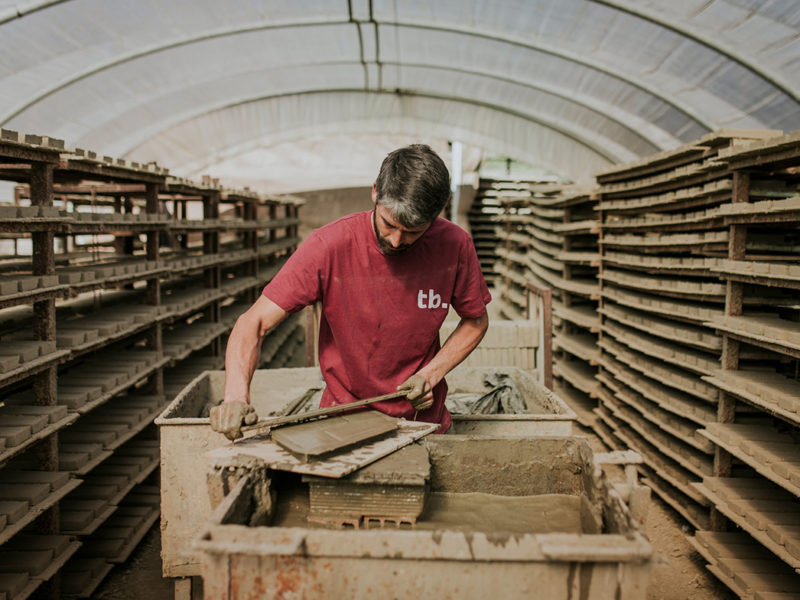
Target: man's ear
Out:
[374,194]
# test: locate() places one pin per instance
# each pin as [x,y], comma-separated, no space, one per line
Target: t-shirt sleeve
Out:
[299,282]
[471,294]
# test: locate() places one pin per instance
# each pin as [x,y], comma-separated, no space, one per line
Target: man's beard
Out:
[385,247]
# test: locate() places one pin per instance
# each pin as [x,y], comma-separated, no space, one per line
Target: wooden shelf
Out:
[659,377]
[773,393]
[745,566]
[110,430]
[759,511]
[12,451]
[695,337]
[773,455]
[36,509]
[675,354]
[766,331]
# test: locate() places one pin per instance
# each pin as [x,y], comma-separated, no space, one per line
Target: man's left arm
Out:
[465,337]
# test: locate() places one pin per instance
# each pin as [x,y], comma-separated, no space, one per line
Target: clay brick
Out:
[28,351]
[69,277]
[47,281]
[54,413]
[731,566]
[13,583]
[9,362]
[76,520]
[28,283]
[104,548]
[762,595]
[786,469]
[775,513]
[48,212]
[54,479]
[89,491]
[90,449]
[14,510]
[781,533]
[72,399]
[121,470]
[57,543]
[768,581]
[8,287]
[72,461]
[33,561]
[69,339]
[33,493]
[101,437]
[36,423]
[793,545]
[15,436]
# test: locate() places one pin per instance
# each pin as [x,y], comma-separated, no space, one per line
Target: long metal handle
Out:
[268,424]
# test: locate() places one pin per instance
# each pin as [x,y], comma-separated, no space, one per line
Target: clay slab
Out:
[317,438]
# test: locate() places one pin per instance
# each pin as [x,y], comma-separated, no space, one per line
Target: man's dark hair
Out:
[413,184]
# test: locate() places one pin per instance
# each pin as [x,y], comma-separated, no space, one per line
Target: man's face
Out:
[393,238]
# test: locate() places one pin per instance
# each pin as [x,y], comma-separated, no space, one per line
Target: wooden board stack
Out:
[548,236]
[113,296]
[662,239]
[756,479]
[485,206]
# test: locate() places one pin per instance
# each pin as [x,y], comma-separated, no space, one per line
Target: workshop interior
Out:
[626,175]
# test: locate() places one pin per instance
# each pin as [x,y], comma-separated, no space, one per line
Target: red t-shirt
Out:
[381,314]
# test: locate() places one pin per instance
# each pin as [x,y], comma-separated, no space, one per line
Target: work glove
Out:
[228,418]
[416,388]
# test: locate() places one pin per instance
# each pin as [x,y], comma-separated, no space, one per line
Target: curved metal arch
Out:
[656,145]
[610,158]
[477,138]
[731,55]
[164,47]
[41,5]
[539,88]
[499,146]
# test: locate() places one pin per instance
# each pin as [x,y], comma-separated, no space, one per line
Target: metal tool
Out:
[267,424]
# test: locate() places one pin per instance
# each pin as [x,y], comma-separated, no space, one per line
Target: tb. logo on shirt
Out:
[430,299]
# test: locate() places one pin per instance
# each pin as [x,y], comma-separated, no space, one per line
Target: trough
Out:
[186,436]
[529,517]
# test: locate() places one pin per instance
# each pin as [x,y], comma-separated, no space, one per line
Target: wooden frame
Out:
[541,308]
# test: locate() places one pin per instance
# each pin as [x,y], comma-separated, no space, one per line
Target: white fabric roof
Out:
[569,85]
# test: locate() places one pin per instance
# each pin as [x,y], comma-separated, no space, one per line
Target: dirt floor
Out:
[679,572]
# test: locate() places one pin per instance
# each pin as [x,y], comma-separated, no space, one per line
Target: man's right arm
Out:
[244,347]
[241,361]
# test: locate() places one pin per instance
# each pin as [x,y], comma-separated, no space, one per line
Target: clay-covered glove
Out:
[228,418]
[416,388]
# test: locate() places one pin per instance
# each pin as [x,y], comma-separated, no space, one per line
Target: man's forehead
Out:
[389,217]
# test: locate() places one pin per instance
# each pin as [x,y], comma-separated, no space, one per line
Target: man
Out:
[386,279]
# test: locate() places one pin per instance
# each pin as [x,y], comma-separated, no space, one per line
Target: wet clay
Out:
[544,513]
[488,513]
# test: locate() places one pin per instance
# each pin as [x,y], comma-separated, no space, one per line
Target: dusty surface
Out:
[679,572]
